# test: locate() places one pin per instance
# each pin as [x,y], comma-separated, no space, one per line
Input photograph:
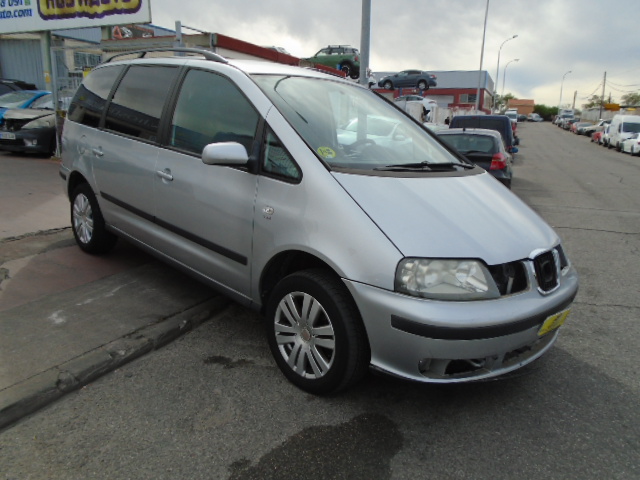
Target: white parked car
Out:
[632,144]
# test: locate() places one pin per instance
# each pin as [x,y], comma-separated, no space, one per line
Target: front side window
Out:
[90,100]
[211,109]
[350,127]
[630,127]
[277,161]
[137,104]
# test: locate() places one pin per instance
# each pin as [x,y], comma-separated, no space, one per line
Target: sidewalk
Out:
[67,337]
[67,317]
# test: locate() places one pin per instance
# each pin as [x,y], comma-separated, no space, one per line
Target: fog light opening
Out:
[423,365]
[457,367]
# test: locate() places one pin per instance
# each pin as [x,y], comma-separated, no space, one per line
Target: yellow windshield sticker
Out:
[326,152]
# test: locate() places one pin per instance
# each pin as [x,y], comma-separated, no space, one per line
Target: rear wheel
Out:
[87,222]
[346,68]
[315,332]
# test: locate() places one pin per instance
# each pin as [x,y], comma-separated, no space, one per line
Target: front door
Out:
[207,210]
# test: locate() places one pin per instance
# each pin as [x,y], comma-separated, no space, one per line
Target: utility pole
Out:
[604,83]
[365,42]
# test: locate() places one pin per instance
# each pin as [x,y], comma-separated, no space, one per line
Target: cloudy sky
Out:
[586,37]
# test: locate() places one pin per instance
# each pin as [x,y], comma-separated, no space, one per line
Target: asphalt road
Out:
[213,405]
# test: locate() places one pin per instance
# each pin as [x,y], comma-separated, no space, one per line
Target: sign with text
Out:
[18,16]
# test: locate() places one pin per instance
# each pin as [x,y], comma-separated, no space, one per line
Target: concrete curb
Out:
[36,392]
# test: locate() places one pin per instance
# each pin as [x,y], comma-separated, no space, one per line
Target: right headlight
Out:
[445,279]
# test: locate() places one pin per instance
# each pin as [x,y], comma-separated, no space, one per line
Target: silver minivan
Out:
[399,256]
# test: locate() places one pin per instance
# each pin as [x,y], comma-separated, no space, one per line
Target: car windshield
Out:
[350,127]
[15,99]
[631,127]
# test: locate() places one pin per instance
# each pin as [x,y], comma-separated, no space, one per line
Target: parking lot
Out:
[213,404]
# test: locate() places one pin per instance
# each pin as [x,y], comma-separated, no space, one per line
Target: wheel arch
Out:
[75,179]
[286,263]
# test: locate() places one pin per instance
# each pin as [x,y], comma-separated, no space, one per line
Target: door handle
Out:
[97,152]
[165,174]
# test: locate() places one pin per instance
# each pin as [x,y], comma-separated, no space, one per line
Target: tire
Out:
[326,353]
[388,85]
[422,85]
[87,222]
[346,68]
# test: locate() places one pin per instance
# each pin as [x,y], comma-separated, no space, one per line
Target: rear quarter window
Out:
[137,104]
[90,100]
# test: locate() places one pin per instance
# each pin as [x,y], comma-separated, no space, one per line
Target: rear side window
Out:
[211,109]
[90,100]
[136,106]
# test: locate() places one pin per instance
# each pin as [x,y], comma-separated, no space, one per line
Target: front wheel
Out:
[315,332]
[87,222]
[388,85]
[422,85]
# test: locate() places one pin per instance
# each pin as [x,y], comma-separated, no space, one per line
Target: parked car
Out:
[8,86]
[409,79]
[381,131]
[604,139]
[567,122]
[500,123]
[534,117]
[621,128]
[597,127]
[522,117]
[340,57]
[409,98]
[483,147]
[579,127]
[19,99]
[30,130]
[411,261]
[631,145]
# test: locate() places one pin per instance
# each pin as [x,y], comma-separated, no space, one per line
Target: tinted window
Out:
[211,109]
[277,161]
[90,100]
[137,104]
[471,143]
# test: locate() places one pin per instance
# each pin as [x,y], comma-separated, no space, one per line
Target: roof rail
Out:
[207,54]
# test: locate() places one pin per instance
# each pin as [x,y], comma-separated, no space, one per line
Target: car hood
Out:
[27,113]
[472,216]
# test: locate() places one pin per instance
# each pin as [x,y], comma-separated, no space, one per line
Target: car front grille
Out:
[547,266]
[512,277]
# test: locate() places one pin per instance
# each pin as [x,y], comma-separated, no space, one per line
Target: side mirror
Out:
[225,153]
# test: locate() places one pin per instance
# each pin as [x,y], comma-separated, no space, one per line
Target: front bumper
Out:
[445,342]
[36,140]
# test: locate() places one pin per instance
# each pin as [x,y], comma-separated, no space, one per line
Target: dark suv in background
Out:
[340,57]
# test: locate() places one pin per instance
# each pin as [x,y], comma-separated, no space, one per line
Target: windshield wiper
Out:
[423,166]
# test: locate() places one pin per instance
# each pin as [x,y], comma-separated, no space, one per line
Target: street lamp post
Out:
[495,88]
[504,75]
[561,85]
[484,34]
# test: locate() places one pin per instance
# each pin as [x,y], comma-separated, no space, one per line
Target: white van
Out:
[622,127]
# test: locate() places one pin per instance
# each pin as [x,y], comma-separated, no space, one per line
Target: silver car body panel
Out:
[225,225]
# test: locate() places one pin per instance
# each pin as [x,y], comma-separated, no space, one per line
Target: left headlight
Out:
[445,279]
[39,123]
